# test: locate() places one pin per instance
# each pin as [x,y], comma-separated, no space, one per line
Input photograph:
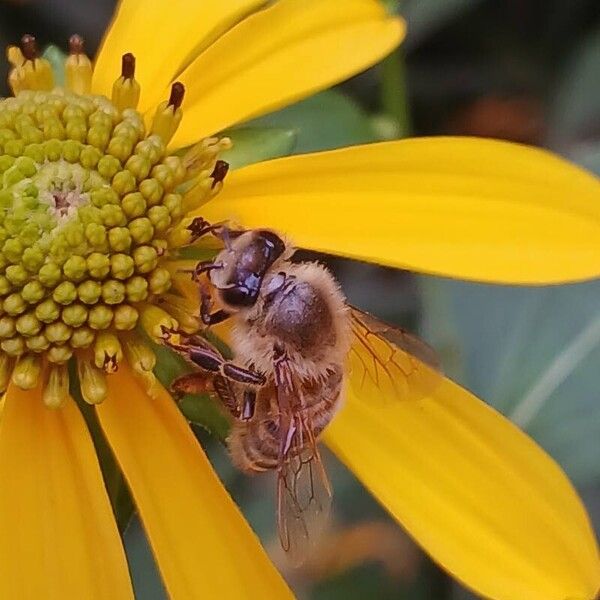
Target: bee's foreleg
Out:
[191,383]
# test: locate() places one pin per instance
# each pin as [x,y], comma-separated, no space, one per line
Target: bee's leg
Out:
[199,227]
[190,383]
[249,404]
[219,173]
[206,303]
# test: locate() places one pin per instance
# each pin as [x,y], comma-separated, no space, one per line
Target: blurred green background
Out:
[523,70]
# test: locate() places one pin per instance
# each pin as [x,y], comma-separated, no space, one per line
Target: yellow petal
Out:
[58,536]
[463,207]
[203,545]
[480,497]
[279,55]
[164,36]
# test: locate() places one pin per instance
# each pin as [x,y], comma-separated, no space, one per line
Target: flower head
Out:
[103,183]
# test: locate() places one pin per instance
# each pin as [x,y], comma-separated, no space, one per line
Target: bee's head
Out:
[244,266]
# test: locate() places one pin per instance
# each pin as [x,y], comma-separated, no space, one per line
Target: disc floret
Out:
[89,199]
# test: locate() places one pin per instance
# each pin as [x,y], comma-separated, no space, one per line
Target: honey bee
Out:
[293,333]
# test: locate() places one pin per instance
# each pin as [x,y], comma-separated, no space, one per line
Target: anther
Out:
[168,115]
[177,94]
[219,172]
[126,90]
[128,66]
[76,44]
[29,47]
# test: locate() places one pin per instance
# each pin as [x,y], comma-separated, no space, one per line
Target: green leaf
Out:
[322,122]
[533,353]
[575,107]
[56,57]
[255,144]
[425,17]
[114,481]
[199,409]
[145,577]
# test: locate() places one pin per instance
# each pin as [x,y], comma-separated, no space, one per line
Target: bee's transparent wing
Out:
[389,363]
[303,489]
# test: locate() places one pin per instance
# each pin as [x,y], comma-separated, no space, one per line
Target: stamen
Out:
[155,320]
[6,367]
[76,44]
[126,89]
[107,352]
[177,94]
[128,66]
[57,388]
[92,381]
[27,371]
[219,172]
[34,73]
[78,67]
[139,355]
[181,310]
[169,114]
[29,47]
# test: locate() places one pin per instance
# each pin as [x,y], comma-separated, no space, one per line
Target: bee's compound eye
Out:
[239,296]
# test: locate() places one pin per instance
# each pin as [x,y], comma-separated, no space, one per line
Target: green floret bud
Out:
[17,275]
[159,281]
[121,266]
[33,292]
[52,150]
[96,235]
[82,337]
[119,239]
[59,354]
[138,166]
[134,205]
[113,292]
[98,265]
[35,152]
[145,258]
[90,157]
[98,137]
[174,204]
[75,268]
[7,327]
[100,317]
[58,332]
[14,304]
[5,285]
[164,175]
[126,317]
[50,274]
[47,311]
[108,166]
[113,216]
[26,165]
[141,230]
[14,346]
[152,191]
[74,315]
[65,293]
[89,291]
[37,343]
[103,197]
[71,151]
[12,250]
[160,218]
[28,324]
[136,289]
[124,182]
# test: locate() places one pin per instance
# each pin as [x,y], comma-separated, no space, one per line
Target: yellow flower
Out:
[93,217]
